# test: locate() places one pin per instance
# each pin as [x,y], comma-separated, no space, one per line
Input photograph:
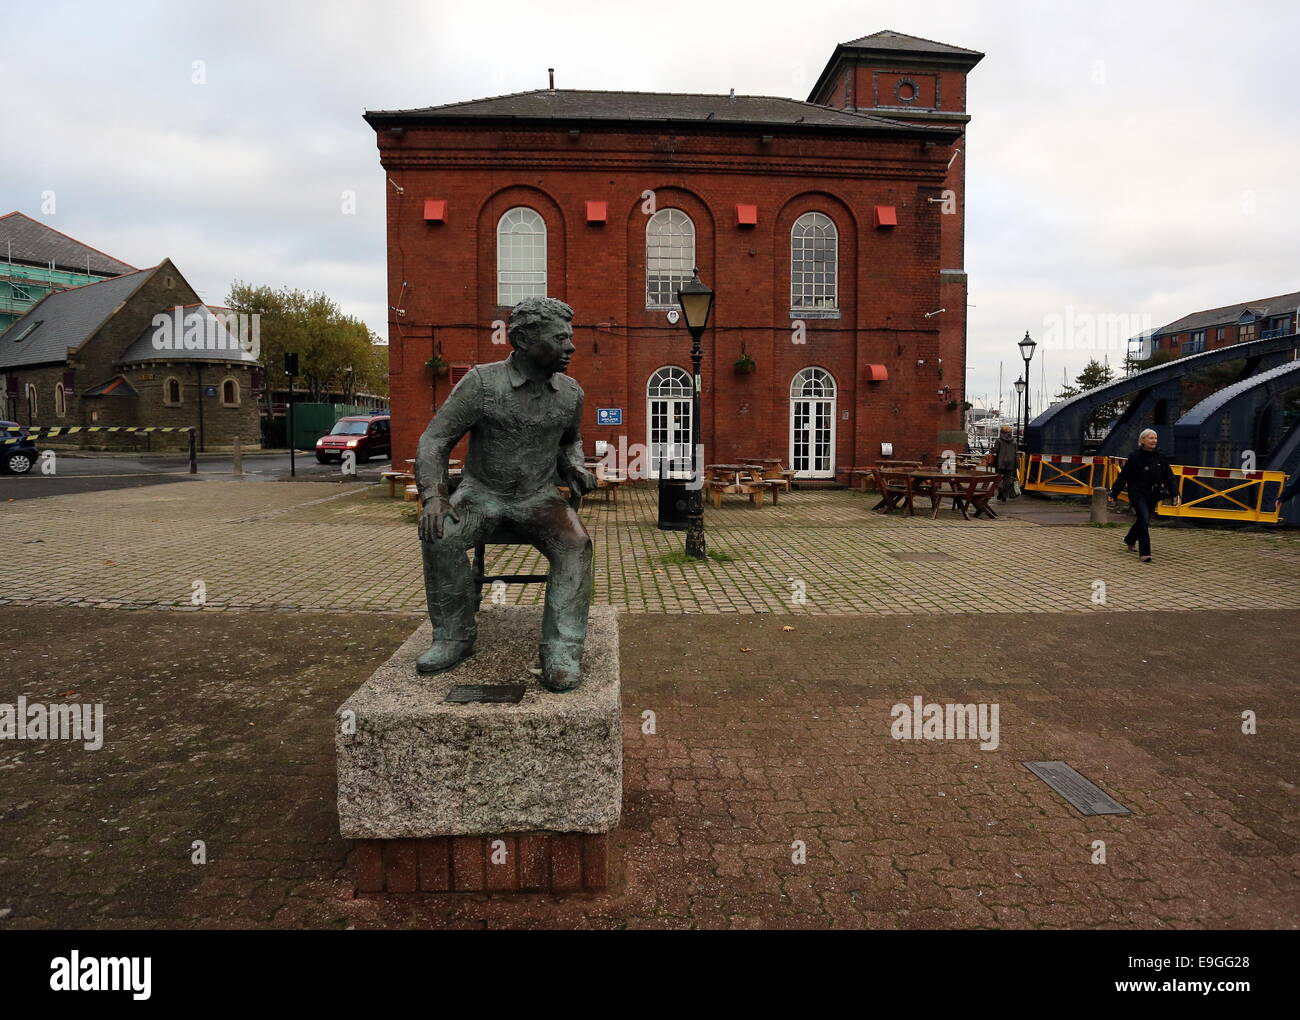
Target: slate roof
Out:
[67,318]
[1262,308]
[897,41]
[893,48]
[226,344]
[28,240]
[574,105]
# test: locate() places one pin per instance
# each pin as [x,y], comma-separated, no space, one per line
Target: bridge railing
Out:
[1206,492]
[1226,494]
[1061,473]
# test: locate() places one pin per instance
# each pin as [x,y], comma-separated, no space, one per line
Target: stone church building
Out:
[830,229]
[138,349]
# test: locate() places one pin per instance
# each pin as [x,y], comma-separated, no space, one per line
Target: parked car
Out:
[20,457]
[367,434]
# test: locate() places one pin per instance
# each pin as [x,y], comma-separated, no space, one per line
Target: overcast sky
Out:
[1125,159]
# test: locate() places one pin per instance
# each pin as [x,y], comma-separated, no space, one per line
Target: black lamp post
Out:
[696,301]
[1020,396]
[1027,352]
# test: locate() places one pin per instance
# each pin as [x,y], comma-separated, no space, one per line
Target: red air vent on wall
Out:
[458,372]
[876,373]
[597,212]
[435,210]
[886,216]
[746,215]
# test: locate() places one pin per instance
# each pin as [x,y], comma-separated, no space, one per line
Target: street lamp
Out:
[696,301]
[1020,394]
[1027,352]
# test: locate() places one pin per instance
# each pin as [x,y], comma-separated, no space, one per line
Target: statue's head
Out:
[541,331]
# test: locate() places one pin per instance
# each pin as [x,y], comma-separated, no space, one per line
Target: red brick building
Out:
[830,229]
[1220,327]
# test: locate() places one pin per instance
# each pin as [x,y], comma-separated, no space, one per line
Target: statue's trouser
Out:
[551,525]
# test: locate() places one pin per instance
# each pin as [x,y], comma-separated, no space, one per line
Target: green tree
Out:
[1095,373]
[336,352]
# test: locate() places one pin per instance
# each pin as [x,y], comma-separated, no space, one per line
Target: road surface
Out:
[81,472]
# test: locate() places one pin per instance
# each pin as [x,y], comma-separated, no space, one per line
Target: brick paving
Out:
[330,547]
[219,728]
[772,719]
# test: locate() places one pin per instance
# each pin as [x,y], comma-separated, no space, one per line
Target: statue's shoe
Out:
[561,670]
[443,656]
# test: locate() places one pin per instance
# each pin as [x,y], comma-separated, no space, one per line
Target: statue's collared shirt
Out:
[519,429]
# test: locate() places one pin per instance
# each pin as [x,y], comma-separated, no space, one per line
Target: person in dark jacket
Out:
[1004,459]
[1292,489]
[1148,478]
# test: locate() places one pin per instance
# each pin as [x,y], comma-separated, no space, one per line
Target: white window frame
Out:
[521,255]
[669,256]
[824,294]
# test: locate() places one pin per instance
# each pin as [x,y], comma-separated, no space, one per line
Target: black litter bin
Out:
[674,500]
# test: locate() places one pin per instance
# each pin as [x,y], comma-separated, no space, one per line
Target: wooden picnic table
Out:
[735,480]
[900,487]
[734,471]
[967,490]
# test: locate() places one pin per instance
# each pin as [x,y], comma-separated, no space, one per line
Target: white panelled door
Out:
[812,424]
[668,417]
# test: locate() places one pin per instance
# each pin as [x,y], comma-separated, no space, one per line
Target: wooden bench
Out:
[966,492]
[895,487]
[607,482]
[394,478]
[754,492]
[774,486]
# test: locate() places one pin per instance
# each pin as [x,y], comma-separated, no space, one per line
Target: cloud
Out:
[1122,159]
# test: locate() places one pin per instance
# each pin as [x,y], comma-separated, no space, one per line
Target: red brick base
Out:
[519,862]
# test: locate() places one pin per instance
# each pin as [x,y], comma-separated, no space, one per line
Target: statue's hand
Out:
[581,480]
[435,512]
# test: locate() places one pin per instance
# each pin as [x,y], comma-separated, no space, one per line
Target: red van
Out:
[365,434]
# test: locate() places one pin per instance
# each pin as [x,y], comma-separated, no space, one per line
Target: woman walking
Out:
[1148,478]
[1004,460]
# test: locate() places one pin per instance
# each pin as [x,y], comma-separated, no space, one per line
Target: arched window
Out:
[813,382]
[33,411]
[812,424]
[521,256]
[670,381]
[814,263]
[60,400]
[172,391]
[669,256]
[668,422]
[230,393]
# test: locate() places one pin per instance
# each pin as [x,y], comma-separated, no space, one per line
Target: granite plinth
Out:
[412,766]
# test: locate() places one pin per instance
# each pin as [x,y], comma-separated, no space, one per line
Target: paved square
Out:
[764,786]
[340,547]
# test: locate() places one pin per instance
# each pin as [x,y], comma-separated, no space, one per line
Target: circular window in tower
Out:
[905,91]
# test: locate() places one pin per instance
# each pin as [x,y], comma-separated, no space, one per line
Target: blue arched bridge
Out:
[1251,424]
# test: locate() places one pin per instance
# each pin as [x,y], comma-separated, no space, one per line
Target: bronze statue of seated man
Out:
[523,416]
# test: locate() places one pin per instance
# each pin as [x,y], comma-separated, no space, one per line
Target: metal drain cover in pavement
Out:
[1086,797]
[492,694]
[921,557]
